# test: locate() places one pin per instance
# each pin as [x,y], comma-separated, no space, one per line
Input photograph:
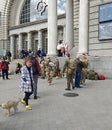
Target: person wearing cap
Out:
[49,65]
[69,68]
[56,68]
[79,65]
[84,69]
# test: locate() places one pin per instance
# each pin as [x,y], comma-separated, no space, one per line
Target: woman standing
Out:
[27,82]
[4,67]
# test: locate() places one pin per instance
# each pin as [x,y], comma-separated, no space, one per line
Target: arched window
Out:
[25,15]
[34,10]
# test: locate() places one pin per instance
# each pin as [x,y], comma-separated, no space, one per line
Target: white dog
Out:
[10,104]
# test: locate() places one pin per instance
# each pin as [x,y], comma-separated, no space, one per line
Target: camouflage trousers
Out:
[70,81]
[84,75]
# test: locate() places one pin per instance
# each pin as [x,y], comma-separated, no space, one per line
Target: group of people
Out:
[73,69]
[29,79]
[47,69]
[29,76]
[40,53]
[30,71]
[77,70]
[21,54]
[62,49]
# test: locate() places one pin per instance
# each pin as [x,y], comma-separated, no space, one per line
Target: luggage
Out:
[101,77]
[92,75]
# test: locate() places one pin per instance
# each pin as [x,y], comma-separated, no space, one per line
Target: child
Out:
[27,82]
[18,67]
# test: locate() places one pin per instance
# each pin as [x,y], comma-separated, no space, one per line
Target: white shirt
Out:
[59,46]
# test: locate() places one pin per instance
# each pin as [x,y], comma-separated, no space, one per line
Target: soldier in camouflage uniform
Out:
[84,69]
[56,68]
[69,68]
[42,66]
[49,70]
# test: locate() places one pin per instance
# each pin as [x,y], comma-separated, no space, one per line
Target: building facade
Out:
[86,27]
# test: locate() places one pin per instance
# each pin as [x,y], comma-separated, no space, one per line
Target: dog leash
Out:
[17,95]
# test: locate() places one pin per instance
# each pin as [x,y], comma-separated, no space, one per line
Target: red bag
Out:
[101,77]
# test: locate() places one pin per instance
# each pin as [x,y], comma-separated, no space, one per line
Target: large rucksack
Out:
[92,75]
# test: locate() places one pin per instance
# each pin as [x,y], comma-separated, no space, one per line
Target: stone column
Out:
[39,39]
[20,42]
[64,34]
[12,46]
[69,24]
[29,41]
[52,27]
[83,27]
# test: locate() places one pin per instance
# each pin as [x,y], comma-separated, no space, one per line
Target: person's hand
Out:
[28,83]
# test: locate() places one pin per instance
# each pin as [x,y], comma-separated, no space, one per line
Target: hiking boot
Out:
[23,102]
[73,87]
[35,97]
[68,89]
[28,107]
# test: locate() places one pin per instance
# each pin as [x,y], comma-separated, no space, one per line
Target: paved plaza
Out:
[91,110]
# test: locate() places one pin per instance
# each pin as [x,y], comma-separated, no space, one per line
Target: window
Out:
[105,21]
[25,15]
[0,19]
[34,10]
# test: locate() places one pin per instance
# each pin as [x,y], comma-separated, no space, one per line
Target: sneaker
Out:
[28,107]
[23,102]
[80,87]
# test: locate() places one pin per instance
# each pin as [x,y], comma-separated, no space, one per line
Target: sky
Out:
[36,15]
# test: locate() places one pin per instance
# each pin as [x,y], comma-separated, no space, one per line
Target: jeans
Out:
[77,78]
[5,73]
[27,95]
[35,78]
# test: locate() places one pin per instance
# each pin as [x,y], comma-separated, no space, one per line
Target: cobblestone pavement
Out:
[91,110]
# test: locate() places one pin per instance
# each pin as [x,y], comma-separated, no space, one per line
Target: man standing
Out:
[36,71]
[8,55]
[69,68]
[79,65]
[84,69]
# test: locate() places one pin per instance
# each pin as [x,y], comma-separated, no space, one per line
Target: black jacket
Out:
[79,65]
